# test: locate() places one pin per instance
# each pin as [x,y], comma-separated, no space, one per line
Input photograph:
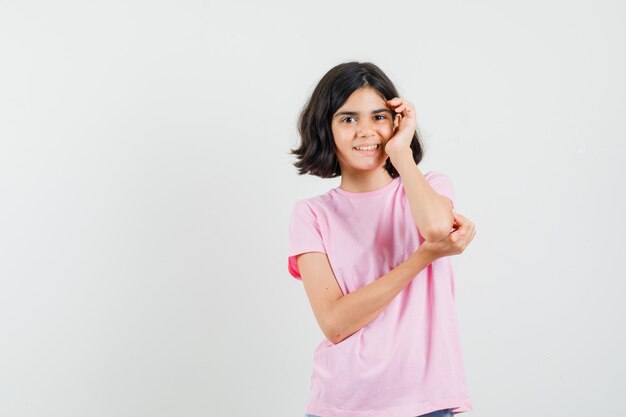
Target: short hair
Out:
[316,154]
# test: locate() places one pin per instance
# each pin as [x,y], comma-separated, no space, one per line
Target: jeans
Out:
[438,413]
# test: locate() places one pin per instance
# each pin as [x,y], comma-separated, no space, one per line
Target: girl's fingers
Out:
[468,232]
[465,228]
[459,220]
[402,106]
[397,101]
[469,238]
[459,216]
[458,234]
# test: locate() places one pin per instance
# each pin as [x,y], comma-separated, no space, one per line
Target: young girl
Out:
[374,255]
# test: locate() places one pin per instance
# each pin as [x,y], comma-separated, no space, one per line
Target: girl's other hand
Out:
[456,241]
[404,126]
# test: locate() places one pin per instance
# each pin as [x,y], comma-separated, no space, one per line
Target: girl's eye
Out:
[376,117]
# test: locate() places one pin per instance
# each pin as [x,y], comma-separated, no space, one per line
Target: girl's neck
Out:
[364,181]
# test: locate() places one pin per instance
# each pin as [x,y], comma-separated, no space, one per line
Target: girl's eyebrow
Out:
[353,113]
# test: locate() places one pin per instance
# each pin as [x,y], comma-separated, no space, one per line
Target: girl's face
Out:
[364,119]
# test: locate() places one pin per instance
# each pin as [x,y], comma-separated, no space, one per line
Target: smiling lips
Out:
[369,149]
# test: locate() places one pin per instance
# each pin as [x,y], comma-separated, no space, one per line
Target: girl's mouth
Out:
[368,149]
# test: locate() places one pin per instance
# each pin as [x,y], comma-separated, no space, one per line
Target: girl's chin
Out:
[374,164]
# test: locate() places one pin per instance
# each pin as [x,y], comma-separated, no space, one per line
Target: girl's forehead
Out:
[365,95]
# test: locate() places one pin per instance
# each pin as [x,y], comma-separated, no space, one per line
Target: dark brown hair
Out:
[316,153]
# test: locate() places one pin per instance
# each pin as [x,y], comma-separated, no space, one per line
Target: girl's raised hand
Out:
[407,123]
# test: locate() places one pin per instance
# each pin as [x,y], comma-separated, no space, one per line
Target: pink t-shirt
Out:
[407,361]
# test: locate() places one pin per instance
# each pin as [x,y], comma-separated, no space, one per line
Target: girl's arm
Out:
[431,211]
[340,316]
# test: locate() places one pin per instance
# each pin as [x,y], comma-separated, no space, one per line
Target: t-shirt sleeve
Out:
[304,235]
[442,185]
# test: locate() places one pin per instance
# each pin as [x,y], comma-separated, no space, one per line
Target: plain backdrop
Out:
[146,183]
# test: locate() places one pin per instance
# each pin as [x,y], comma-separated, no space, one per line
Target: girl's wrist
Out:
[423,256]
[401,157]
[428,253]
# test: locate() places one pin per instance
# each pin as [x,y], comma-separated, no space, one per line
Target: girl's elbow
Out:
[332,334]
[441,231]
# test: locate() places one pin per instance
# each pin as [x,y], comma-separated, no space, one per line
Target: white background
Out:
[146,183]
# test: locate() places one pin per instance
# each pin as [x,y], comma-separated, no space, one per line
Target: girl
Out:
[374,255]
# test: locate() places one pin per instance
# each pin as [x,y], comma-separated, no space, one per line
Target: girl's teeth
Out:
[367,148]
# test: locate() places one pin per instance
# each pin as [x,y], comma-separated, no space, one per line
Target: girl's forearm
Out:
[431,214]
[355,310]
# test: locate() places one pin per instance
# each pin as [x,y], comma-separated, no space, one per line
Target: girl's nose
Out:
[365,129]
